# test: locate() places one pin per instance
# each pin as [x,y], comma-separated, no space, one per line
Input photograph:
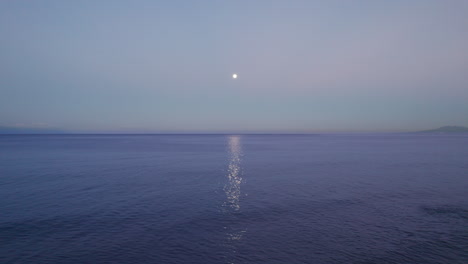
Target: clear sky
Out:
[166,66]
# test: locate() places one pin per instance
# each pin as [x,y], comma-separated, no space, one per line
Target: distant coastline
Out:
[447,129]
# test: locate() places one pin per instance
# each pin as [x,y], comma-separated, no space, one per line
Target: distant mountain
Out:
[29,130]
[447,129]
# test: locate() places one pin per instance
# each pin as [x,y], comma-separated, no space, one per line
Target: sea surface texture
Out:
[362,198]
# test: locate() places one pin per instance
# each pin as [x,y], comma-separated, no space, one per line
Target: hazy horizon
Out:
[167,66]
[5,130]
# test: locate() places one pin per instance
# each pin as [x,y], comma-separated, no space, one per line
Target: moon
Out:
[234,76]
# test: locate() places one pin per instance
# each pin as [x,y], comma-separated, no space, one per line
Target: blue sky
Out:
[166,66]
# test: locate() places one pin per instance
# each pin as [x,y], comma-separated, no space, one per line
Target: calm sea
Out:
[362,198]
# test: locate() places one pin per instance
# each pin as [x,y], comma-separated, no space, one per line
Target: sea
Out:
[318,198]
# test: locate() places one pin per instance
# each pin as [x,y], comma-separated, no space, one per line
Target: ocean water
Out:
[362,198]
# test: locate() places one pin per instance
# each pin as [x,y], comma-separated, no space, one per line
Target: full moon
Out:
[234,76]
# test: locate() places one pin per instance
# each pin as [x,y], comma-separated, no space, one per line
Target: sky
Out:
[166,66]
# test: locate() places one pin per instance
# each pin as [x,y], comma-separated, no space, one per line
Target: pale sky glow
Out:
[162,66]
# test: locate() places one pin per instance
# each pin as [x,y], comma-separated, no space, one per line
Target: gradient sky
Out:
[166,66]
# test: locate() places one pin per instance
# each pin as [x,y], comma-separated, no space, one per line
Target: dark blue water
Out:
[398,198]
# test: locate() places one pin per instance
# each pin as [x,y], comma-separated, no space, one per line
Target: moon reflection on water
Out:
[234,176]
[232,206]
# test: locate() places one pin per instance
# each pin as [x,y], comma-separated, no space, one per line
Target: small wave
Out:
[447,210]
